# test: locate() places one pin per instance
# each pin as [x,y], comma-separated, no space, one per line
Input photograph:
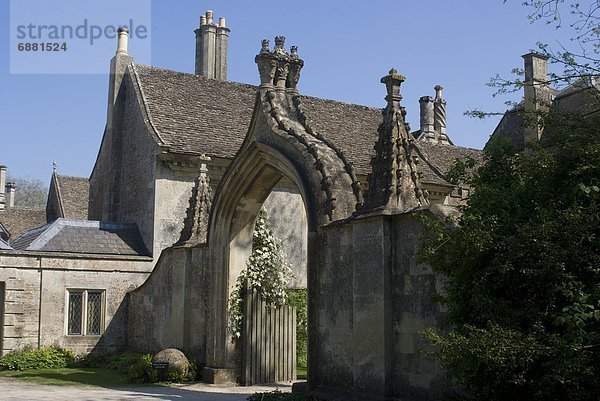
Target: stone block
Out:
[13,307]
[219,376]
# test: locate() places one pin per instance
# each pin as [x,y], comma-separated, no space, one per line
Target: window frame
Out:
[84,311]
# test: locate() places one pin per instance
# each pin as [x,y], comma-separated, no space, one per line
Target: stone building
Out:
[340,181]
[521,124]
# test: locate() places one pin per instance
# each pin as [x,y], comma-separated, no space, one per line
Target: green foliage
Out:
[142,371]
[120,362]
[266,271]
[523,269]
[277,395]
[37,358]
[299,298]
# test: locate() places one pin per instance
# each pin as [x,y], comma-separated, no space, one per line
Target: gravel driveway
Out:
[17,390]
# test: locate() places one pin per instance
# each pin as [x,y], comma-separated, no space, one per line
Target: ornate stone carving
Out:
[278,68]
[280,45]
[265,46]
[394,184]
[195,226]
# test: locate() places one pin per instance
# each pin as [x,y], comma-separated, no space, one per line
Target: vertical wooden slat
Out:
[269,343]
[247,333]
[293,344]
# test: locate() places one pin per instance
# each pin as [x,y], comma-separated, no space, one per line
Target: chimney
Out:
[221,51]
[537,93]
[2,184]
[439,116]
[427,131]
[118,64]
[212,42]
[10,194]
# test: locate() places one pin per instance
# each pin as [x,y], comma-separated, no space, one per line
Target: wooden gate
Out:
[269,341]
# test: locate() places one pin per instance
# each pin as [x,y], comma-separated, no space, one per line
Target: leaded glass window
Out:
[75,312]
[85,312]
[94,310]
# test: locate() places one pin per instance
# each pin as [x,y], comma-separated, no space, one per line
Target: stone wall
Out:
[169,310]
[369,298]
[288,220]
[34,319]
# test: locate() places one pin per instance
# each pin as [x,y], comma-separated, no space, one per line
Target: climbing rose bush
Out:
[266,270]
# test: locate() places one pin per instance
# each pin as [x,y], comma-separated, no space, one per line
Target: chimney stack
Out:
[118,65]
[212,43]
[439,116]
[10,194]
[537,93]
[2,184]
[427,131]
[433,118]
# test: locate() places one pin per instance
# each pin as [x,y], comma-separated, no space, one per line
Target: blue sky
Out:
[347,47]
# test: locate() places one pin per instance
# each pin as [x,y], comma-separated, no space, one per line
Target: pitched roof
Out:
[73,193]
[196,115]
[83,236]
[17,220]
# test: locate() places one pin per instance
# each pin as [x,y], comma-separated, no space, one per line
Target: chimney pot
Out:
[2,184]
[10,194]
[209,17]
[222,22]
[123,40]
[203,20]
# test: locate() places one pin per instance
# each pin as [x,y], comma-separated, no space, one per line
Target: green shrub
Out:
[37,358]
[298,298]
[142,371]
[120,362]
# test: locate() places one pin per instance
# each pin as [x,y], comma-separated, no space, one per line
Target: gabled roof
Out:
[196,115]
[72,196]
[83,236]
[16,220]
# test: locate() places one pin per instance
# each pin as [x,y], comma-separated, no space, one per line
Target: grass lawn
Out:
[68,376]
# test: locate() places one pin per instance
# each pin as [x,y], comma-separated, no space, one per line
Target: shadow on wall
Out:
[114,338]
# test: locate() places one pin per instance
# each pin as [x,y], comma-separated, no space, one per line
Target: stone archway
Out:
[279,144]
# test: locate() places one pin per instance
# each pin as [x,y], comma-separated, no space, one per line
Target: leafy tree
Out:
[523,270]
[266,270]
[30,192]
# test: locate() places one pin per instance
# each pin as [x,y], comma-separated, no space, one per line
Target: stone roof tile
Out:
[196,115]
[17,220]
[83,236]
[74,195]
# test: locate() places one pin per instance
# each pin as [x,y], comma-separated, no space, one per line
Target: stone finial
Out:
[279,45]
[294,52]
[277,68]
[264,46]
[394,184]
[54,166]
[392,82]
[195,227]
